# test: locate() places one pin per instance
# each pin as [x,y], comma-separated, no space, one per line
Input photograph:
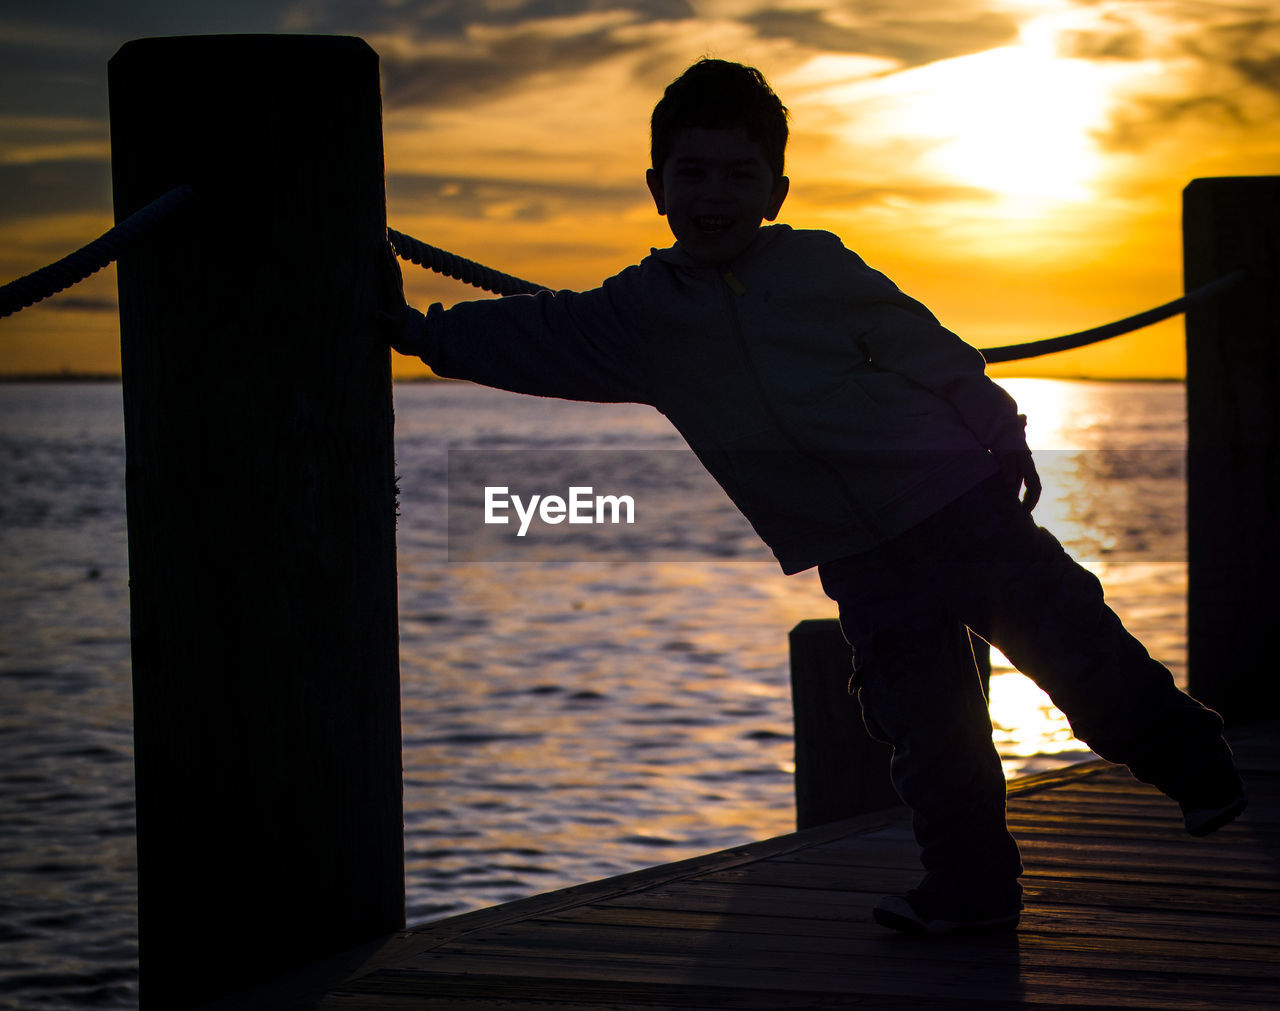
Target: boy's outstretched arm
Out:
[570,345]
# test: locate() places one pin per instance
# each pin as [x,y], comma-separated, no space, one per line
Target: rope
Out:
[40,284]
[452,265]
[1032,349]
[71,269]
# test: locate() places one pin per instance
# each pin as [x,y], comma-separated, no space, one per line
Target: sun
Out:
[1016,123]
[1019,121]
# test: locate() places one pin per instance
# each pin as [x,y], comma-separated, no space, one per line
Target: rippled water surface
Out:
[563,720]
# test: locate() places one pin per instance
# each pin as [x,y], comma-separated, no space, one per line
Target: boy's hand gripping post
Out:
[391,315]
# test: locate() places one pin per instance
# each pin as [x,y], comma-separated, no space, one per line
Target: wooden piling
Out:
[841,771]
[261,509]
[1233,452]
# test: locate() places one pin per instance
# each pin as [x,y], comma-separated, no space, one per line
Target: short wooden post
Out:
[1233,453]
[261,508]
[841,771]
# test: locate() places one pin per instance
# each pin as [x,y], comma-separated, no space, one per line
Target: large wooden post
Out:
[261,507]
[1233,454]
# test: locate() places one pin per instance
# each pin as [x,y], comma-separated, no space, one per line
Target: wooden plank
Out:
[1056,779]
[1086,934]
[1077,919]
[1036,843]
[827,877]
[461,990]
[729,946]
[1123,910]
[406,943]
[980,982]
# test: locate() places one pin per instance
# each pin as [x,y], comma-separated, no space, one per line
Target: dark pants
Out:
[982,563]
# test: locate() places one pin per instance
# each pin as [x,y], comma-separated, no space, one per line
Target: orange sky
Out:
[1016,165]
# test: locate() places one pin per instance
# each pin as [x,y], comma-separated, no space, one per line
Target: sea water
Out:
[564,719]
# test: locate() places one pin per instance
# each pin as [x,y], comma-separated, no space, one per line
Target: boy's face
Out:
[715,188]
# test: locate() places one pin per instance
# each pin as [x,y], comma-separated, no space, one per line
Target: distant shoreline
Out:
[114,377]
[60,377]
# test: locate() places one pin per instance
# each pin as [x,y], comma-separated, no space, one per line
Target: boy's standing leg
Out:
[915,677]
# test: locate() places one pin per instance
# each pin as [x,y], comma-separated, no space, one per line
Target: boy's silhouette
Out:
[859,436]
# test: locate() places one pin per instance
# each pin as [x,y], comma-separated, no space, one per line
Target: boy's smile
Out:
[715,188]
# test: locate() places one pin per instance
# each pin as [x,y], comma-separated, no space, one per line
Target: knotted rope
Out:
[89,259]
[1032,349]
[452,265]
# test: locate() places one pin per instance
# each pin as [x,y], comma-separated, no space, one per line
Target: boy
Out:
[859,436]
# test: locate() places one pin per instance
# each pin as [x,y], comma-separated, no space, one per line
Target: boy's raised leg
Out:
[1048,615]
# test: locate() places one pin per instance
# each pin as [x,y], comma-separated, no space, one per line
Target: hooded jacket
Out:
[835,411]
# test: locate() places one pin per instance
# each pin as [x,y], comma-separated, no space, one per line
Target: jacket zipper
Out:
[735,289]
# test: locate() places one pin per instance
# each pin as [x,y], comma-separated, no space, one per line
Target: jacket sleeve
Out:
[898,334]
[571,345]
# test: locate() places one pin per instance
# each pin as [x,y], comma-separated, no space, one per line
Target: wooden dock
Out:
[1123,909]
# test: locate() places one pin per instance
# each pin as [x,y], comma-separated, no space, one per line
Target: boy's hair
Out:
[718,94]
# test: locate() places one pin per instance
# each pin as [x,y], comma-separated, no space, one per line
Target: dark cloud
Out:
[524,201]
[452,19]
[53,86]
[1248,49]
[1125,44]
[1233,80]
[494,66]
[53,58]
[53,83]
[844,195]
[885,33]
[83,303]
[42,188]
[88,25]
[1142,120]
[468,51]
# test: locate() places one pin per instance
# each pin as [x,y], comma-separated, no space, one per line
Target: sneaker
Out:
[918,912]
[1201,821]
[1213,796]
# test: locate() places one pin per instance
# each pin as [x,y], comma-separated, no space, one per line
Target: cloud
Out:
[493,64]
[871,30]
[1209,66]
[460,52]
[53,187]
[849,195]
[512,199]
[62,302]
[1127,43]
[454,19]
